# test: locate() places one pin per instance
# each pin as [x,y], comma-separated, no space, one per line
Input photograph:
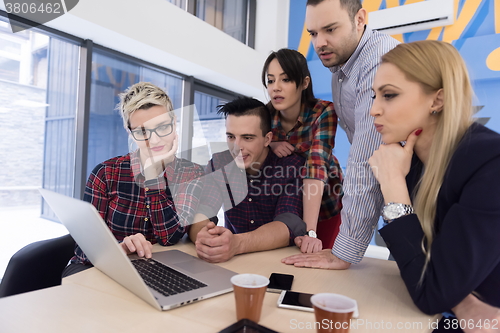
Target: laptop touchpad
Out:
[195,266]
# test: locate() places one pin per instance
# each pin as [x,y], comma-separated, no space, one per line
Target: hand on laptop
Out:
[137,243]
[215,244]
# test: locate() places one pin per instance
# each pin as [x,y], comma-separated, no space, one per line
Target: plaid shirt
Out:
[251,201]
[314,138]
[129,204]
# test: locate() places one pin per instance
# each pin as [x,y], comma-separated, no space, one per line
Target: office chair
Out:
[37,265]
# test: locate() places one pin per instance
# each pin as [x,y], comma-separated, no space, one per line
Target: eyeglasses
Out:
[143,134]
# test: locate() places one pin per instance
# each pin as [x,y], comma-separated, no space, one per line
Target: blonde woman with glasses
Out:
[149,195]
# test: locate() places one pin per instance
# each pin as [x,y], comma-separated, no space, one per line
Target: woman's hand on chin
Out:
[153,165]
[390,164]
[392,160]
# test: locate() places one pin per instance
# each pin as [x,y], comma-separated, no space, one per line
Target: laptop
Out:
[184,279]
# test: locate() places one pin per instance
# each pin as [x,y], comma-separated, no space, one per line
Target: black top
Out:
[465,253]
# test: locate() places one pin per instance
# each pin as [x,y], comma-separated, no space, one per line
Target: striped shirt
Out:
[352,91]
[160,208]
[313,136]
[250,201]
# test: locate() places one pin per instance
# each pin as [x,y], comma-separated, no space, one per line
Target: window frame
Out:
[250,19]
[87,49]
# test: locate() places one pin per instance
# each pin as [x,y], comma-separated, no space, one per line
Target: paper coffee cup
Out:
[333,312]
[249,292]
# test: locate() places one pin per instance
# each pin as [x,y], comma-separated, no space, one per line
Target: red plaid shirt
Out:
[160,209]
[314,138]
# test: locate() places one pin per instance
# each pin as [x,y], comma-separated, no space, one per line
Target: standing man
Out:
[352,51]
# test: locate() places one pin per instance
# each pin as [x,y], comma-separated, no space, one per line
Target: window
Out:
[9,69]
[38,90]
[179,3]
[48,80]
[38,111]
[230,16]
[23,57]
[234,17]
[209,128]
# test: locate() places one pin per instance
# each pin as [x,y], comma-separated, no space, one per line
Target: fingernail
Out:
[417,133]
[141,253]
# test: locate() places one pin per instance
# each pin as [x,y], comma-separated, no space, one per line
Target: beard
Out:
[342,53]
[336,59]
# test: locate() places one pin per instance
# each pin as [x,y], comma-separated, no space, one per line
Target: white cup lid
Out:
[250,280]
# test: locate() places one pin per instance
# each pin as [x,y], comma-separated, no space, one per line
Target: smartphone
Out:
[296,301]
[301,301]
[279,282]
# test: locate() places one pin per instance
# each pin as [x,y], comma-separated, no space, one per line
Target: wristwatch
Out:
[312,233]
[394,210]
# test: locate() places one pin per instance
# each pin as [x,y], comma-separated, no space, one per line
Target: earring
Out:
[434,112]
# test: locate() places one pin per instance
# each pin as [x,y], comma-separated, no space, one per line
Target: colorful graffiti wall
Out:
[475,33]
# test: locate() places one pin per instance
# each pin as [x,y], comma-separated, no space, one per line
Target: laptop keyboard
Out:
[164,279]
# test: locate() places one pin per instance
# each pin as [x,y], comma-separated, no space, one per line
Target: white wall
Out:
[163,34]
[271,27]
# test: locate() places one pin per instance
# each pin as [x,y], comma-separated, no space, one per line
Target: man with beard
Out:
[352,51]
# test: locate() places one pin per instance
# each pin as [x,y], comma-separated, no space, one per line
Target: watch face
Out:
[312,233]
[393,211]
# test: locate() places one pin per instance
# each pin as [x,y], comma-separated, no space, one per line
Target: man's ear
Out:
[438,103]
[360,19]
[268,138]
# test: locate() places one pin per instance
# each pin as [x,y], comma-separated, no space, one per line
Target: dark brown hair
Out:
[246,106]
[352,6]
[294,65]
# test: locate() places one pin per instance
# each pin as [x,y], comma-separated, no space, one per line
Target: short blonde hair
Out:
[142,96]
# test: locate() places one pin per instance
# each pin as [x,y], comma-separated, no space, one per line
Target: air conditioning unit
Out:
[413,17]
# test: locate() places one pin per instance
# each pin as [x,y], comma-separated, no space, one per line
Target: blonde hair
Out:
[142,96]
[436,65]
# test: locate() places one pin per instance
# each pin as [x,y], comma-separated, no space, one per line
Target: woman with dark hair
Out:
[305,125]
